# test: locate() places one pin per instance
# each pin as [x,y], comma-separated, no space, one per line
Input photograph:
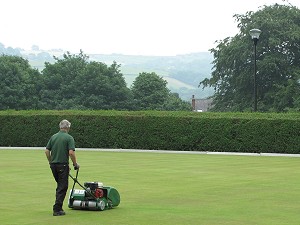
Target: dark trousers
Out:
[61,175]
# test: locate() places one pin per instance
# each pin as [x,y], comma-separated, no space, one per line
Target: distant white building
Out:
[201,105]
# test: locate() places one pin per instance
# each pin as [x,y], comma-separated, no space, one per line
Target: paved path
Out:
[162,151]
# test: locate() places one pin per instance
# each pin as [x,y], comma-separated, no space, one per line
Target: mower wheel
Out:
[101,205]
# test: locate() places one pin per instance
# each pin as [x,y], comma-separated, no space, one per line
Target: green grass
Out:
[157,189]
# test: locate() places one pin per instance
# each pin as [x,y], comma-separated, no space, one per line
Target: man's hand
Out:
[76,166]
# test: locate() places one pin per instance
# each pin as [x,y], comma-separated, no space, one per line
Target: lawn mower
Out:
[94,196]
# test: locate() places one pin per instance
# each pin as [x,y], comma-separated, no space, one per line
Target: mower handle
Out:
[76,181]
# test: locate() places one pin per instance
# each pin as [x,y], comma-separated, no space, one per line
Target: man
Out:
[60,147]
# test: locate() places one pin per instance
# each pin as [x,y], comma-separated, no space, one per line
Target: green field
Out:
[157,188]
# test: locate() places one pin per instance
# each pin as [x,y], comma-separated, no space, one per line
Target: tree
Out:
[278,62]
[149,91]
[59,77]
[103,87]
[75,83]
[175,103]
[19,88]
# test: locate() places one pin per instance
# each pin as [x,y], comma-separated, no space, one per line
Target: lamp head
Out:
[255,33]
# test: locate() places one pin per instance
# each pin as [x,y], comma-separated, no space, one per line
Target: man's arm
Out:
[48,155]
[73,157]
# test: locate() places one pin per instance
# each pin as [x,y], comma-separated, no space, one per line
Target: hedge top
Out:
[212,115]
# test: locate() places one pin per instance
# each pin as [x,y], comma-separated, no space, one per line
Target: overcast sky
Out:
[136,27]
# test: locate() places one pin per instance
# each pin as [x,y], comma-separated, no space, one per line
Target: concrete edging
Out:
[162,151]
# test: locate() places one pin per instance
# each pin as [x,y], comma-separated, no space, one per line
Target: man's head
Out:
[64,125]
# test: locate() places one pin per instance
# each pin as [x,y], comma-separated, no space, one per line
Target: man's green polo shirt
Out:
[59,145]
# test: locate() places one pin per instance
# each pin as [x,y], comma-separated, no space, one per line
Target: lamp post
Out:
[255,36]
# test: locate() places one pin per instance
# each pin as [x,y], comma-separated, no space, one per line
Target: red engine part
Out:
[99,193]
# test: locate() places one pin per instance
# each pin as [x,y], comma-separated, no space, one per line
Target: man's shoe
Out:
[59,213]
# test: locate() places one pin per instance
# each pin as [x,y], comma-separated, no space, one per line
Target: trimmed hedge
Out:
[184,131]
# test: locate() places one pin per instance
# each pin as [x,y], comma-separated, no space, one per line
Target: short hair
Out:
[64,124]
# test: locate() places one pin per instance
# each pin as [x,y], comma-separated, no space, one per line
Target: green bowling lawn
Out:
[157,188]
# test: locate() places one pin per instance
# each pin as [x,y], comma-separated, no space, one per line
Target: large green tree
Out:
[278,62]
[150,92]
[20,84]
[103,87]
[59,78]
[74,82]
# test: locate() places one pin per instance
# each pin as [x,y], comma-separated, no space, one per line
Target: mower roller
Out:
[94,196]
